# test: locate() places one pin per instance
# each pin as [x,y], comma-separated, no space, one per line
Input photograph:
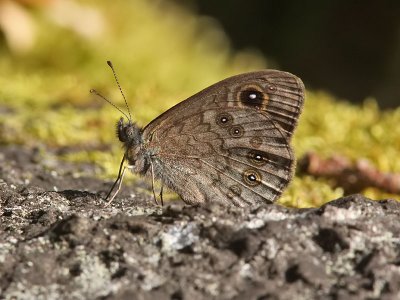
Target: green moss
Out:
[163,55]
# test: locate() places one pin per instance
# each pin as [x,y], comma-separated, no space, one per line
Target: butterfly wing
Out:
[230,142]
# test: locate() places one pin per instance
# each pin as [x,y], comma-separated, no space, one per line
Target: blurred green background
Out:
[53,52]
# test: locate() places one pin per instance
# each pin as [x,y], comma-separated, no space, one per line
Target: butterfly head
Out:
[129,133]
[131,136]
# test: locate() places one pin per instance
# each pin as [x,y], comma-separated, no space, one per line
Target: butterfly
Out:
[229,143]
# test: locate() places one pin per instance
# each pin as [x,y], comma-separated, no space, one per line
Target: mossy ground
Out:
[163,55]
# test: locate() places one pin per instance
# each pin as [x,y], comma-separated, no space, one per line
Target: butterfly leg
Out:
[161,195]
[119,185]
[152,182]
[119,178]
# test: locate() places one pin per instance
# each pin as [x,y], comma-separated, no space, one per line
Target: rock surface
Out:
[65,244]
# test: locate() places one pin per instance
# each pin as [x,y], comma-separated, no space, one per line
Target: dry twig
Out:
[352,177]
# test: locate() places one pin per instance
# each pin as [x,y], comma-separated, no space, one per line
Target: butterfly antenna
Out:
[93,91]
[109,63]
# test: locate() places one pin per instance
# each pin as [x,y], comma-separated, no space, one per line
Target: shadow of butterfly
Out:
[229,143]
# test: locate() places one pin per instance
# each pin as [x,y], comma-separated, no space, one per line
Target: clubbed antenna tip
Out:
[109,63]
[93,91]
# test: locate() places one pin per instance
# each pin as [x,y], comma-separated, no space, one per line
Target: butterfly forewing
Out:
[283,98]
[231,142]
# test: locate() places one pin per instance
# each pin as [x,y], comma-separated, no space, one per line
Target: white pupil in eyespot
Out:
[252,96]
[223,120]
[251,177]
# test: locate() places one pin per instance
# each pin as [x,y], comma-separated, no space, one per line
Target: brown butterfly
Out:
[229,143]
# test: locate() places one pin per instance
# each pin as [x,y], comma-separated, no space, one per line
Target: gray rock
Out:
[66,244]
